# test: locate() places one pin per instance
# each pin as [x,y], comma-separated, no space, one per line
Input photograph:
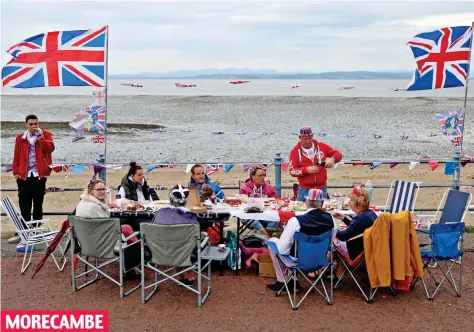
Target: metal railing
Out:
[278,161]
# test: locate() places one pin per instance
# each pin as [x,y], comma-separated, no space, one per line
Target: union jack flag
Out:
[98,139]
[58,58]
[99,97]
[442,58]
[456,141]
[452,122]
[96,121]
[212,168]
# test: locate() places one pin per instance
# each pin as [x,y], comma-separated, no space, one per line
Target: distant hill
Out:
[245,73]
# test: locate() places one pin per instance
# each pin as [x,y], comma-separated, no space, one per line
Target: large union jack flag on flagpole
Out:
[58,58]
[442,58]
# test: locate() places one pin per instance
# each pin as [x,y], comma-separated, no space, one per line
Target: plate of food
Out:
[232,201]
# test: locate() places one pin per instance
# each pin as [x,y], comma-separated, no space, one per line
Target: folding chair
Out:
[102,239]
[447,247]
[30,236]
[404,196]
[172,246]
[350,269]
[456,205]
[310,256]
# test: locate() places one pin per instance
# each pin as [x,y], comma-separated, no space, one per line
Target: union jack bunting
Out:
[452,122]
[442,58]
[53,189]
[96,121]
[60,167]
[99,97]
[58,58]
[212,168]
[98,139]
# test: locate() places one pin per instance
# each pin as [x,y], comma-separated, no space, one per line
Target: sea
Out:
[218,122]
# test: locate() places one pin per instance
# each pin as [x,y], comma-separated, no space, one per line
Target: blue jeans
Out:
[302,193]
[260,225]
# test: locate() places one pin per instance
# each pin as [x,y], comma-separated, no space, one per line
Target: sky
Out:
[286,36]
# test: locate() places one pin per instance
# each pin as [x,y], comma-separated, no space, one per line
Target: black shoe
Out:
[279,285]
[276,286]
[132,275]
[189,283]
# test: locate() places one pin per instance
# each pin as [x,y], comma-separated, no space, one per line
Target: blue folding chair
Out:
[310,256]
[456,205]
[447,247]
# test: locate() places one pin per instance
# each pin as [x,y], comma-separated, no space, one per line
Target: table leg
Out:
[237,249]
[221,230]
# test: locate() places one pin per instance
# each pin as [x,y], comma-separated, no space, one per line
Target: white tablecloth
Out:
[270,215]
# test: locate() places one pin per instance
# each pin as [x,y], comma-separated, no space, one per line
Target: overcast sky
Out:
[162,36]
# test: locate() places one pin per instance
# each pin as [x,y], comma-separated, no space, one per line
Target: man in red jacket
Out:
[308,162]
[31,166]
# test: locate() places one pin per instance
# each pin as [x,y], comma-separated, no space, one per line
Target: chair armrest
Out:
[355,237]
[204,242]
[128,238]
[44,221]
[421,230]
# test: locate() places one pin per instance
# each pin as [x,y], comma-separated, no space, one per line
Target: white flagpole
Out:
[106,74]
[458,167]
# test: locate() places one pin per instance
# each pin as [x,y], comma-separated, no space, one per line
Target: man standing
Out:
[31,166]
[308,163]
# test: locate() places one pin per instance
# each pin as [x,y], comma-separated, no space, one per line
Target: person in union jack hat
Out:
[309,160]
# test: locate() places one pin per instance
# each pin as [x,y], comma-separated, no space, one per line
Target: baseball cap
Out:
[315,195]
[179,193]
[306,131]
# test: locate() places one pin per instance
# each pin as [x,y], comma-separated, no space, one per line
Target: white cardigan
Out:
[91,207]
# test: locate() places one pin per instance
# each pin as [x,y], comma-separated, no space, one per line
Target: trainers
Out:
[14,239]
[132,275]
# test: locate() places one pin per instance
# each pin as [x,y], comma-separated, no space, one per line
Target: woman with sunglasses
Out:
[364,218]
[256,186]
[93,205]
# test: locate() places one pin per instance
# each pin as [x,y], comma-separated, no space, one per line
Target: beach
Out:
[223,129]
[345,175]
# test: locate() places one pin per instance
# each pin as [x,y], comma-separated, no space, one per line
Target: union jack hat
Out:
[179,193]
[315,195]
[306,131]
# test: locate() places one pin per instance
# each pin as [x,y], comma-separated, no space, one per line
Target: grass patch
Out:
[469,229]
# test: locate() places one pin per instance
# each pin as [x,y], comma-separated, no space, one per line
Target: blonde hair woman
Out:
[364,218]
[93,204]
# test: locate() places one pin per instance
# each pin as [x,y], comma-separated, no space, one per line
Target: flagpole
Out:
[458,167]
[105,94]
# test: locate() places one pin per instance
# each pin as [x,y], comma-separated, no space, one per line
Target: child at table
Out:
[364,218]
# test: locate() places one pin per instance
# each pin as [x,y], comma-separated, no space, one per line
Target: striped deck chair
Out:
[404,196]
[30,236]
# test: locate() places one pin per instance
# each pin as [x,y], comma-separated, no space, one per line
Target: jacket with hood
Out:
[249,188]
[299,163]
[130,189]
[43,149]
[215,187]
[91,207]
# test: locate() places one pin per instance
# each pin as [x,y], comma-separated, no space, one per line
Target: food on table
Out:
[232,201]
[338,195]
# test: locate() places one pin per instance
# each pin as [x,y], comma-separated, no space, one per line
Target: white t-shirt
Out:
[310,152]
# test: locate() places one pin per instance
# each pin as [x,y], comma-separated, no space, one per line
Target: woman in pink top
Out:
[256,186]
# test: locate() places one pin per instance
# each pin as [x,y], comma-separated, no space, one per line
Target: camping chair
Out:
[351,267]
[30,236]
[456,205]
[447,247]
[404,196]
[172,246]
[102,239]
[310,256]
